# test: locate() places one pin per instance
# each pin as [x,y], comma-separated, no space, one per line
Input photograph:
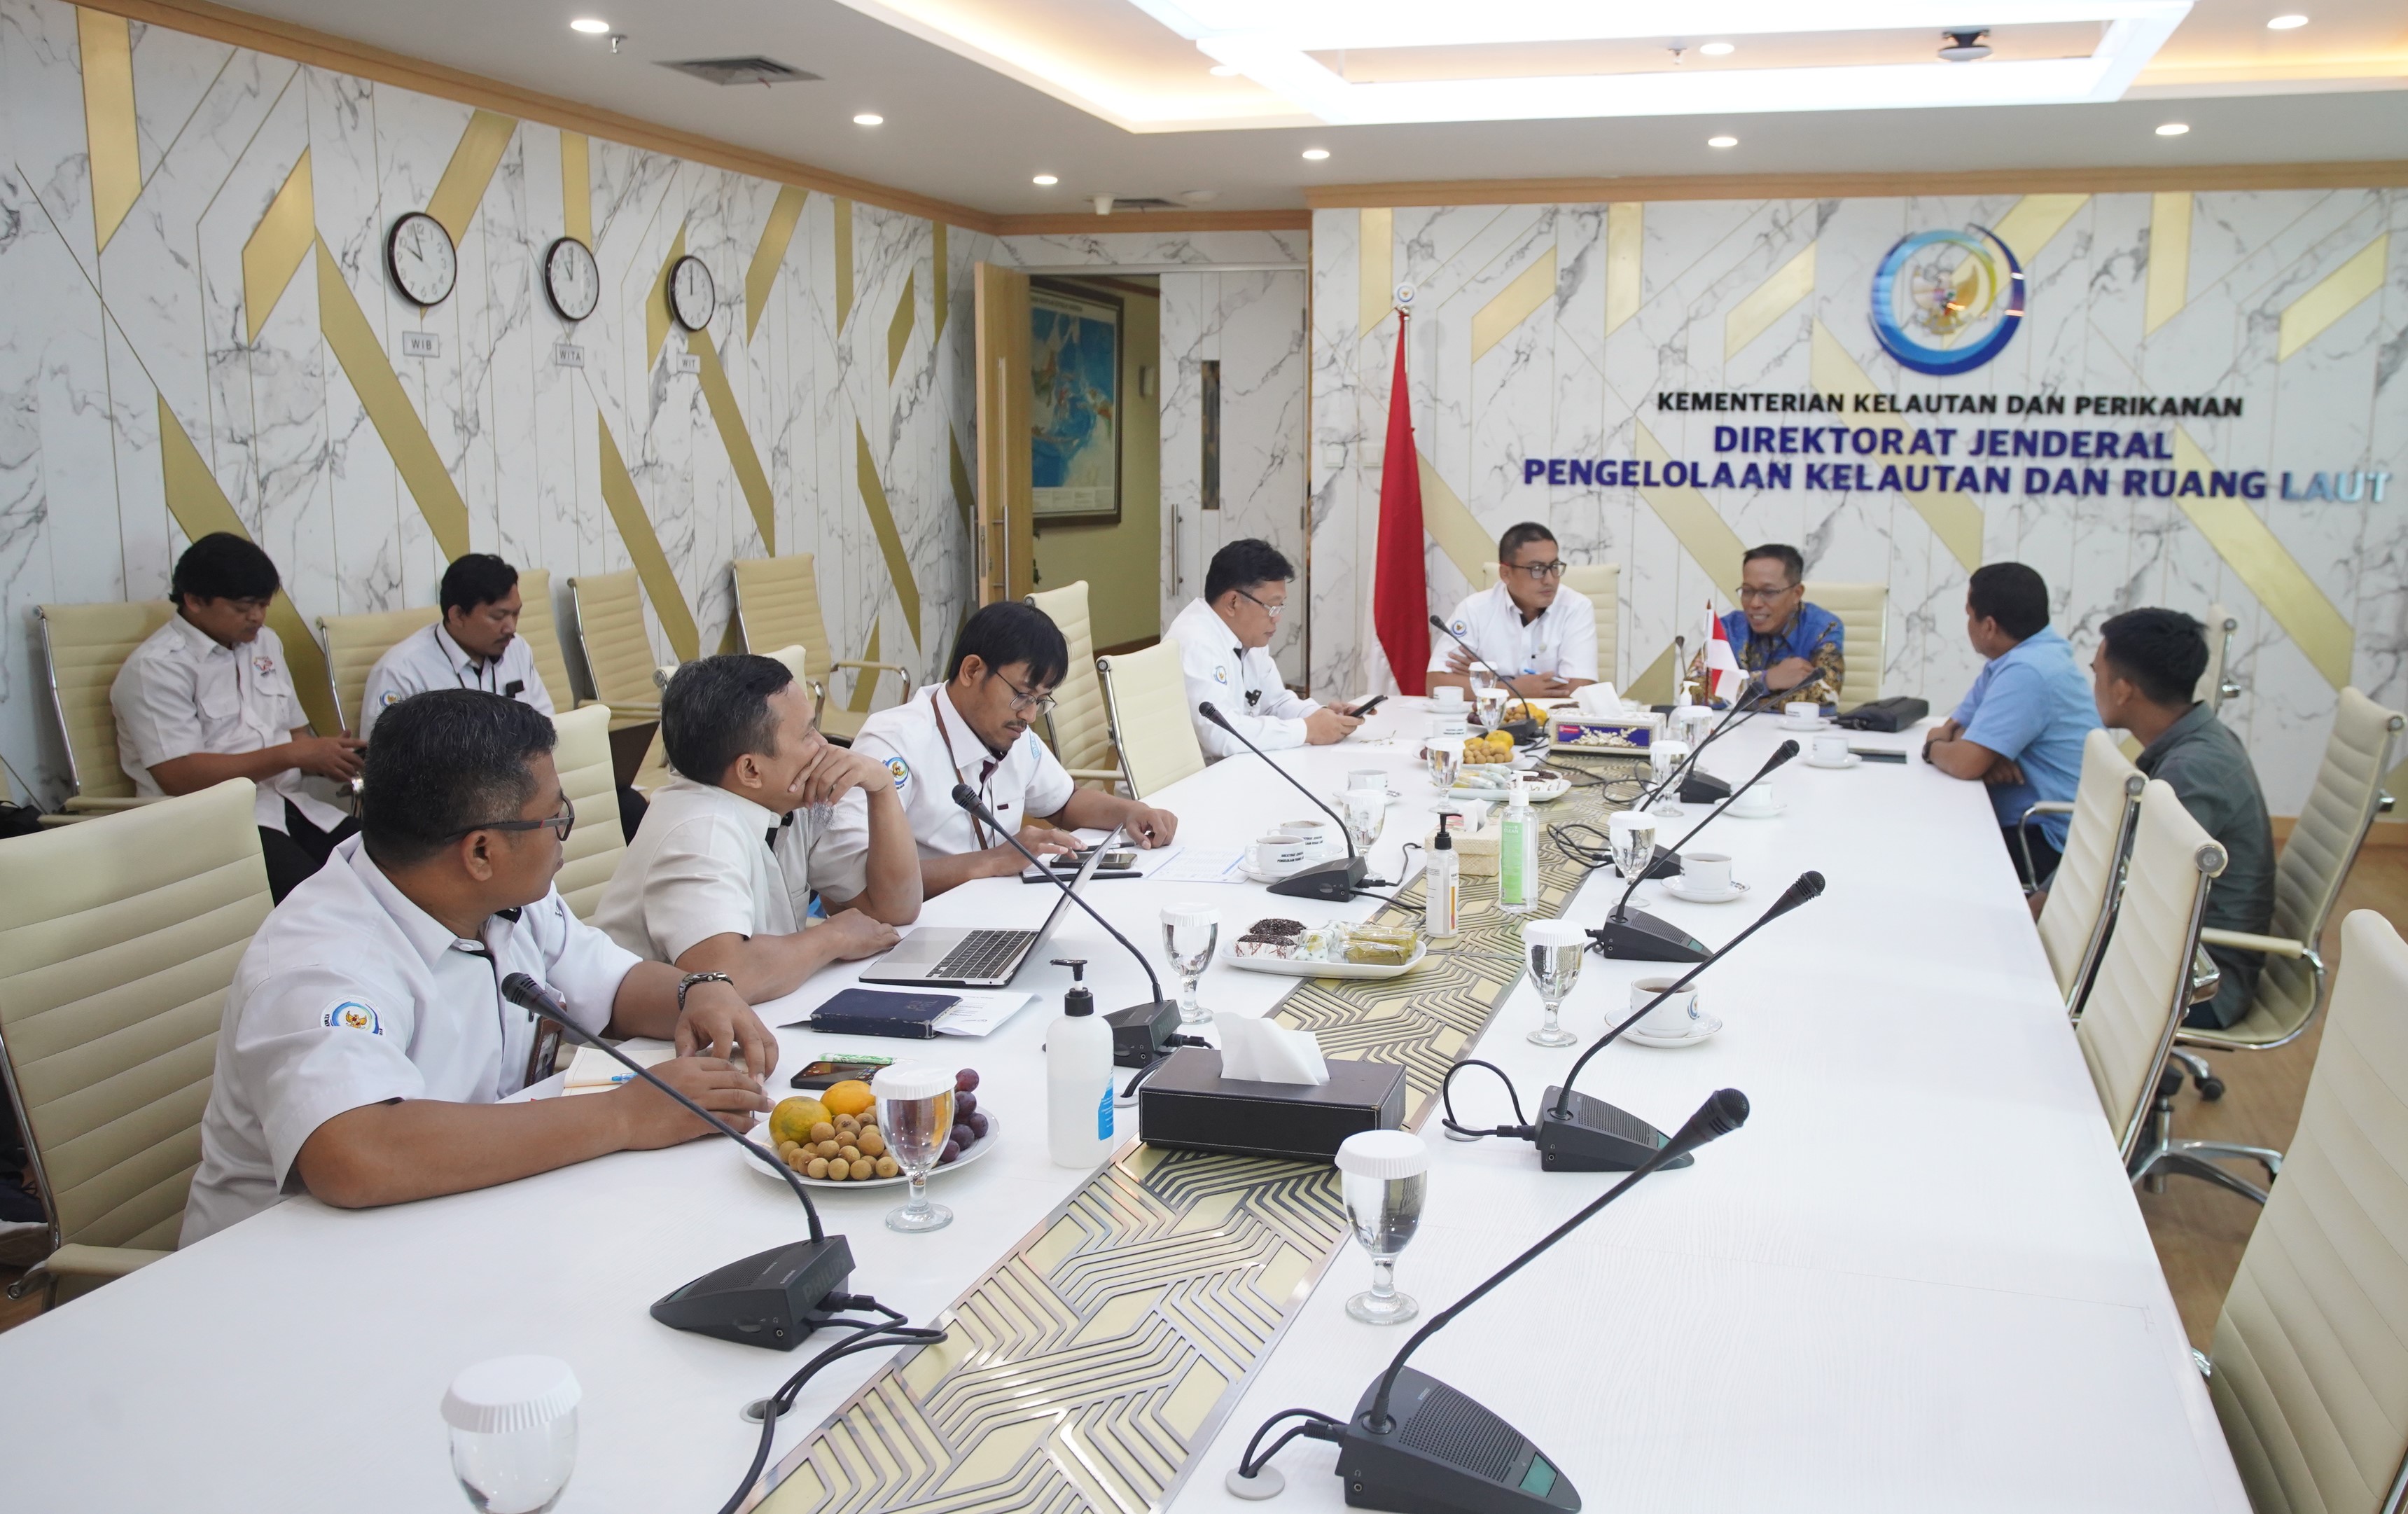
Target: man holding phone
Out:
[1222,642]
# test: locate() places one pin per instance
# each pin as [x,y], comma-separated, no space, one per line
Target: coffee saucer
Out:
[1706,1027]
[1815,724]
[1676,886]
[1246,870]
[1778,809]
[1851,761]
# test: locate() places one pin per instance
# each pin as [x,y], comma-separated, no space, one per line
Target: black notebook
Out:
[912,1017]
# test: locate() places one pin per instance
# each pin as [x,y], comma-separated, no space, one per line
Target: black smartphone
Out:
[827,1072]
[1873,753]
[1363,711]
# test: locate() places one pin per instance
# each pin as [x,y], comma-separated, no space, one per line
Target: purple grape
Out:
[965,1105]
[962,1133]
[978,1125]
[952,1152]
[966,1080]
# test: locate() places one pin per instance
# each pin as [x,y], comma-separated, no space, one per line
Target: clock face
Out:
[419,256]
[571,280]
[691,294]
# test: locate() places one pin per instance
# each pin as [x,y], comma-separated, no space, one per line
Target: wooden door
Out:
[1005,544]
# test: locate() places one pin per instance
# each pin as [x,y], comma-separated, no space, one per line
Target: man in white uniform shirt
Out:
[973,729]
[720,873]
[365,1040]
[207,696]
[1222,641]
[475,645]
[1540,635]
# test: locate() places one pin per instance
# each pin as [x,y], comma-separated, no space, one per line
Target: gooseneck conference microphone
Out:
[1478,658]
[1698,788]
[1632,935]
[1417,1446]
[773,1298]
[1334,882]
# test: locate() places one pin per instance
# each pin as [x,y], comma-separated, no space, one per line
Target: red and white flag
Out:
[1399,582]
[1722,664]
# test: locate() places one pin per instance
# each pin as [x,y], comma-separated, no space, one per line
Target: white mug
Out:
[1447,694]
[1372,778]
[1676,1016]
[1451,721]
[1757,801]
[1277,854]
[1802,710]
[1705,873]
[1831,748]
[1319,842]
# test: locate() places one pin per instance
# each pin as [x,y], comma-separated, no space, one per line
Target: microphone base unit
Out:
[1593,1136]
[1141,1031]
[771,1298]
[1637,936]
[1703,788]
[1444,1453]
[1331,882]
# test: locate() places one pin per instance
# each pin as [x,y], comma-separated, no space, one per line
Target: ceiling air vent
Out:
[742,71]
[1144,202]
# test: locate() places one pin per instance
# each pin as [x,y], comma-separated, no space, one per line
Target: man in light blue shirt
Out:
[2021,728]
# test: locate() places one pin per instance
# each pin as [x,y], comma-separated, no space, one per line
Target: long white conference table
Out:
[1915,1281]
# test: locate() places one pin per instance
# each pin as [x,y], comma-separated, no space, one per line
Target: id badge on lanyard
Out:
[977,827]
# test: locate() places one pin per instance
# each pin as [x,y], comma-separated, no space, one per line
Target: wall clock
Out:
[571,279]
[419,255]
[692,294]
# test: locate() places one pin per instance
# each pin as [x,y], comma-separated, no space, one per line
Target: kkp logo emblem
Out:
[900,768]
[1947,301]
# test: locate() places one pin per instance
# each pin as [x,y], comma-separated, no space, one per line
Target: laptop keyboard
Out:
[983,954]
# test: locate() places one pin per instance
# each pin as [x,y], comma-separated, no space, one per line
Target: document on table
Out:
[1202,864]
[979,1013]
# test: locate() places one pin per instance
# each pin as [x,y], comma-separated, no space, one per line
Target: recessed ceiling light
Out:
[1721,141]
[1225,70]
[1045,180]
[1314,154]
[2286,24]
[870,117]
[596,28]
[1717,49]
[2173,128]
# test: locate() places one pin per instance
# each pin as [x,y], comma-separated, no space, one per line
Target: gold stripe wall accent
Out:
[2250,548]
[346,329]
[462,188]
[736,437]
[1377,254]
[1769,302]
[2035,220]
[1450,523]
[1954,518]
[1654,684]
[657,301]
[865,683]
[938,282]
[1512,304]
[277,247]
[643,546]
[2169,286]
[898,330]
[2335,295]
[844,263]
[576,188]
[769,254]
[1695,523]
[105,46]
[881,521]
[964,494]
[200,508]
[1626,237]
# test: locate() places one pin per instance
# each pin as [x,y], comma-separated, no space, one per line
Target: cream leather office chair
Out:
[2143,983]
[2309,1369]
[2216,684]
[1863,610]
[540,628]
[1145,697]
[353,644]
[83,645]
[617,648]
[777,604]
[595,843]
[2082,894]
[1077,730]
[117,938]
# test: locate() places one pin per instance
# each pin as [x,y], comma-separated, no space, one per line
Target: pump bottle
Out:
[1078,1077]
[1441,887]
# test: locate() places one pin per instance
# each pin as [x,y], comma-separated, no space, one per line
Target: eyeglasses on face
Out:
[561,824]
[1749,594]
[1539,570]
[1024,703]
[1274,611]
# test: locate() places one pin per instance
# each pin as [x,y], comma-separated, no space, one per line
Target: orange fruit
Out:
[792,1120]
[849,1097]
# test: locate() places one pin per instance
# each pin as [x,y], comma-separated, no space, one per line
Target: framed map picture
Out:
[1074,381]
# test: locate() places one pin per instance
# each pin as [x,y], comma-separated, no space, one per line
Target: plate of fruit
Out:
[833,1140]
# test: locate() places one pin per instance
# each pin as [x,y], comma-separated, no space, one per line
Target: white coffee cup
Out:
[1707,875]
[1455,720]
[1676,1016]
[1320,841]
[1802,710]
[1757,801]
[1448,693]
[1374,778]
[1832,749]
[1277,855]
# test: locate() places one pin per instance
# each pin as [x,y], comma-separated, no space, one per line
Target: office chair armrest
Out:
[97,805]
[2246,940]
[2383,802]
[1109,775]
[2023,835]
[873,670]
[77,1261]
[2205,977]
[625,713]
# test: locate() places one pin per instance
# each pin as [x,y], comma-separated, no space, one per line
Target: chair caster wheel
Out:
[2211,1089]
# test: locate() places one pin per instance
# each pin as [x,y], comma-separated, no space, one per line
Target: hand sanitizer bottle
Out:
[1078,1077]
[1442,885]
[1517,854]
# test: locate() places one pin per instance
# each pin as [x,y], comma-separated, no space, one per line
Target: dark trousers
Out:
[2045,857]
[300,850]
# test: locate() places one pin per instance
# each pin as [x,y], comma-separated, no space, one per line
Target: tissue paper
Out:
[1259,1051]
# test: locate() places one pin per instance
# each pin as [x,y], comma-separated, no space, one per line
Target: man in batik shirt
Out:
[1790,646]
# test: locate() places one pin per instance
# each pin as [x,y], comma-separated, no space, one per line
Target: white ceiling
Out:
[960,130]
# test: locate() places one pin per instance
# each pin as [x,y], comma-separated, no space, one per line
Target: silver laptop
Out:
[961,956]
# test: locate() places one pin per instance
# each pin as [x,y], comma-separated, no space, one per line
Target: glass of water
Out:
[1384,1176]
[1189,934]
[1663,760]
[513,1433]
[1631,836]
[1555,948]
[915,1116]
[1366,816]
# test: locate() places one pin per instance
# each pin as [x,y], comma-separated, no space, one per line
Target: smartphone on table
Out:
[827,1072]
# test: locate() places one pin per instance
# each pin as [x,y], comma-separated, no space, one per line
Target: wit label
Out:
[688,363]
[567,354]
[421,344]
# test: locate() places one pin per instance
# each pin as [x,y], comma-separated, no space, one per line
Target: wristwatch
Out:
[692,979]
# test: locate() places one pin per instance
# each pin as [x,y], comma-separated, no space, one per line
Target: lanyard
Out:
[491,669]
[977,827]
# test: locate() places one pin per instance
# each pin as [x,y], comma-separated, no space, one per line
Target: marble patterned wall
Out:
[2295,302]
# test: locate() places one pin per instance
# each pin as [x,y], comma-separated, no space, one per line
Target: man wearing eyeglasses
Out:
[1794,648]
[1224,650]
[974,729]
[365,1048]
[1538,635]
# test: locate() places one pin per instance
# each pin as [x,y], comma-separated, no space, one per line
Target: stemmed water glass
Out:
[1631,837]
[1555,948]
[1189,934]
[915,1115]
[513,1433]
[1366,816]
[1663,760]
[1384,1177]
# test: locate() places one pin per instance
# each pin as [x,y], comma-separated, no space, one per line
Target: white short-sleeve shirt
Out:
[351,995]
[705,862]
[928,748]
[431,660]
[1561,642]
[1242,682]
[182,693]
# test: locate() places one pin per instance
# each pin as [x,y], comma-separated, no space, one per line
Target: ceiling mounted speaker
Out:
[1964,47]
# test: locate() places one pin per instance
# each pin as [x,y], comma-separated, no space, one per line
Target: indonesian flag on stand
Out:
[1722,664]
[1399,582]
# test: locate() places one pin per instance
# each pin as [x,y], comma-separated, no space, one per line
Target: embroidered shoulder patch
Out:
[391,698]
[351,1015]
[900,768]
[1220,675]
[1462,627]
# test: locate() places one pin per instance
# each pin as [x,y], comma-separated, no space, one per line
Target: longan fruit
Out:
[847,1122]
[816,1167]
[872,1143]
[848,1153]
[838,1171]
[821,1131]
[827,1149]
[863,1168]
[889,1167]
